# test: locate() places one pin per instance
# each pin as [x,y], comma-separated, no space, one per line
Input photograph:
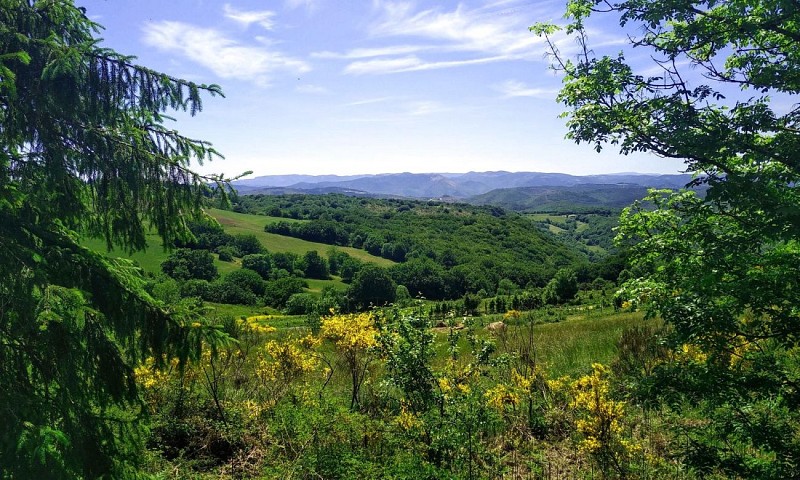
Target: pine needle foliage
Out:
[84,150]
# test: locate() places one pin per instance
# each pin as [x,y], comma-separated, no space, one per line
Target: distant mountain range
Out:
[469,187]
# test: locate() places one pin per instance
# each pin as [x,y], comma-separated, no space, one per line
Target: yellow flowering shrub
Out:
[599,419]
[257,324]
[350,332]
[286,361]
[355,338]
[692,353]
[407,420]
[501,397]
[148,376]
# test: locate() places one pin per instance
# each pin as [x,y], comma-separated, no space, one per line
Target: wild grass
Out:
[316,286]
[570,347]
[242,223]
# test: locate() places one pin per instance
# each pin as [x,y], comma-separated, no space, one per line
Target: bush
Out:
[246,279]
[231,293]
[314,266]
[300,304]
[278,292]
[226,253]
[195,288]
[260,263]
[185,264]
[247,244]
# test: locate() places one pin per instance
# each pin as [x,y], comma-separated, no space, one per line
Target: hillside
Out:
[463,248]
[585,198]
[234,223]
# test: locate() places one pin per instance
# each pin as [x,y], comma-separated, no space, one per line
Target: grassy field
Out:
[316,286]
[567,347]
[236,223]
[570,347]
[151,258]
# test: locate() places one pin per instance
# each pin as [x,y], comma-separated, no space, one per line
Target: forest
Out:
[147,333]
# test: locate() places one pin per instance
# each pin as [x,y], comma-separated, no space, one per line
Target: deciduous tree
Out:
[722,269]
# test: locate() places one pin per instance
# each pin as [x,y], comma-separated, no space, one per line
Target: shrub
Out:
[246,279]
[278,292]
[260,263]
[300,304]
[226,253]
[231,293]
[195,288]
[185,264]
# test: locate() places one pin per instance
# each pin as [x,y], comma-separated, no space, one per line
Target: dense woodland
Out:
[474,343]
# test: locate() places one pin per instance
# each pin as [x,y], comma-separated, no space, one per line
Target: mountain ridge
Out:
[451,185]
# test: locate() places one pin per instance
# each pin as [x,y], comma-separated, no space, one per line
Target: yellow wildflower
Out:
[407,420]
[500,397]
[257,324]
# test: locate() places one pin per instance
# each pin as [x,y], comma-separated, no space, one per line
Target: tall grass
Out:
[570,347]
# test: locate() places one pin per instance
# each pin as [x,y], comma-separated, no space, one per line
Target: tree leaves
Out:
[84,149]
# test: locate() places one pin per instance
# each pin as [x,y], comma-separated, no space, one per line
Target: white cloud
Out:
[226,57]
[389,65]
[459,30]
[514,88]
[263,18]
[414,64]
[449,38]
[358,53]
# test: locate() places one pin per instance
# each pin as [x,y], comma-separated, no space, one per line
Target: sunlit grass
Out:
[570,347]
[242,223]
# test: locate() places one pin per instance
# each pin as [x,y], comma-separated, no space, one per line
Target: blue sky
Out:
[346,87]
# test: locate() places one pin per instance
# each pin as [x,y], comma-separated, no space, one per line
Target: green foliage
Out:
[300,304]
[278,292]
[247,244]
[314,266]
[185,264]
[562,288]
[408,349]
[226,254]
[721,270]
[246,279]
[457,248]
[260,263]
[83,151]
[372,286]
[195,288]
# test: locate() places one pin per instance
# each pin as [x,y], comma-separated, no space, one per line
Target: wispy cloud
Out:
[515,88]
[358,53]
[225,56]
[448,38]
[383,65]
[395,109]
[459,29]
[367,101]
[263,18]
[414,64]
